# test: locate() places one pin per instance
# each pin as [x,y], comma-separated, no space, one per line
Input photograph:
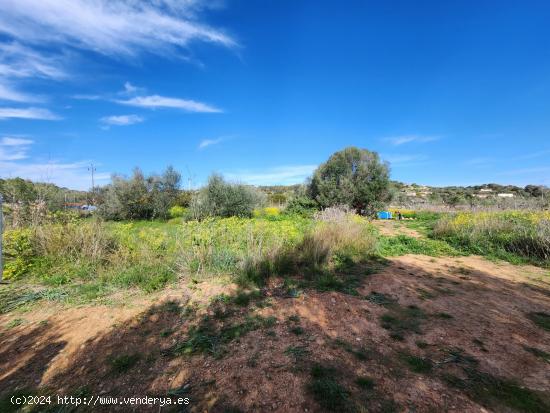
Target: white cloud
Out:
[121,120]
[282,175]
[404,159]
[156,101]
[13,148]
[209,142]
[110,27]
[11,141]
[86,97]
[19,61]
[129,88]
[27,113]
[401,140]
[8,93]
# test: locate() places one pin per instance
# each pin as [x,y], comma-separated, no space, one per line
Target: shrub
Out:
[301,205]
[222,199]
[140,197]
[177,211]
[19,252]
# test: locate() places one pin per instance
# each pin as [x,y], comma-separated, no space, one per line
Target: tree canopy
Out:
[354,177]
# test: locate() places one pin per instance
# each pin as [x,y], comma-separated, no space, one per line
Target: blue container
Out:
[384,215]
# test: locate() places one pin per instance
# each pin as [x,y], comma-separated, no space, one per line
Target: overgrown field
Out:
[82,260]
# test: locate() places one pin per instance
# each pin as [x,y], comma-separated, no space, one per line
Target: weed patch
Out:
[400,321]
[327,391]
[540,319]
[121,364]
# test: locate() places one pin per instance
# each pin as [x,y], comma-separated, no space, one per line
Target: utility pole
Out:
[92,169]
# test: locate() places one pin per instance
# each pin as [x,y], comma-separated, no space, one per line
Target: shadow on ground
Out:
[422,335]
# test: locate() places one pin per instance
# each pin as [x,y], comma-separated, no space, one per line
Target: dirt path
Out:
[452,311]
[392,228]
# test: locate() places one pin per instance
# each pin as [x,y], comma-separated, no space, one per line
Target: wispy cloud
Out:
[8,93]
[110,27]
[15,141]
[281,175]
[122,120]
[405,159]
[28,113]
[403,139]
[156,101]
[20,61]
[205,143]
[14,148]
[86,97]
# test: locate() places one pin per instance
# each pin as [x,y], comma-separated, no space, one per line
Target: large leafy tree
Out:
[354,177]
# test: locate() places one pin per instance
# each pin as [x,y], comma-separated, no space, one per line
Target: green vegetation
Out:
[327,391]
[540,319]
[417,364]
[121,364]
[353,177]
[402,244]
[222,199]
[140,197]
[512,235]
[543,355]
[402,320]
[365,382]
[490,391]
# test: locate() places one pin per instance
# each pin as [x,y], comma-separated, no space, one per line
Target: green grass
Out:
[543,355]
[123,363]
[14,323]
[493,391]
[364,382]
[417,364]
[325,388]
[403,244]
[400,321]
[540,319]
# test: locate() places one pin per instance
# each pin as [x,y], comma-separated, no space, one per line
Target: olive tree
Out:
[224,199]
[353,177]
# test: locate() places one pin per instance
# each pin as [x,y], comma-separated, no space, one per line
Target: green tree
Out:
[354,177]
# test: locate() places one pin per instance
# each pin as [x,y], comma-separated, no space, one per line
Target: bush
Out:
[222,199]
[301,205]
[140,197]
[19,252]
[177,211]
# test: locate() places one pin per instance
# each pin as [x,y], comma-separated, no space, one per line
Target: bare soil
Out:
[472,309]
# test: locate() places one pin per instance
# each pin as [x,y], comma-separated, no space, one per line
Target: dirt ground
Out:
[462,312]
[393,227]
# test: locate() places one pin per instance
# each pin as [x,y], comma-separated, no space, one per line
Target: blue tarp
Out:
[384,215]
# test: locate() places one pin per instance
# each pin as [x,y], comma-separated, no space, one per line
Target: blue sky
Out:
[450,93]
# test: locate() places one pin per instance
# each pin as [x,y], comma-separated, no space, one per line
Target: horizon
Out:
[449,95]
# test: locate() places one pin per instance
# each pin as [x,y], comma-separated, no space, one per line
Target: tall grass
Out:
[512,235]
[87,252]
